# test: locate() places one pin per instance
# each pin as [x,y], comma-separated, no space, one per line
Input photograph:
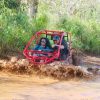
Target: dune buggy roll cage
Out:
[44,57]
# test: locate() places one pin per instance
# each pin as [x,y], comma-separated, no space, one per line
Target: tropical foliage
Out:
[80,17]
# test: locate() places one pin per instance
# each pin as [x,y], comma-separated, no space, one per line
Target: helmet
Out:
[56,37]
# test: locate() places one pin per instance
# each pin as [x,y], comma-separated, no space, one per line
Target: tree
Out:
[32,6]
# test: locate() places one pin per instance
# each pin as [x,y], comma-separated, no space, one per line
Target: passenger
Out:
[44,45]
[63,47]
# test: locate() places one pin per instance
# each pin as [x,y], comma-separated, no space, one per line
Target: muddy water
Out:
[16,87]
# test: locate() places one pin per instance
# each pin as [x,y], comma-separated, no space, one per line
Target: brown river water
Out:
[23,87]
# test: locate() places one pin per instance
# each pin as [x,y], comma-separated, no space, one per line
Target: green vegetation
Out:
[86,35]
[16,26]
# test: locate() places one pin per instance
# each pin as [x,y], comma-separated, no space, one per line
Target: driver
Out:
[63,47]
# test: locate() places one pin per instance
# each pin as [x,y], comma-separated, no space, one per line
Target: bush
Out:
[15,30]
[40,23]
[86,35]
[16,27]
[12,4]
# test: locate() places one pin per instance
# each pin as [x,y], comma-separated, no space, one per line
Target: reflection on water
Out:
[34,88]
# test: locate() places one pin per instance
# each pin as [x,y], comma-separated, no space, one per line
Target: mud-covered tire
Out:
[75,60]
[69,59]
[74,57]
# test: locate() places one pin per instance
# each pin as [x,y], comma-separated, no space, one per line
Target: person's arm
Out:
[62,47]
[56,46]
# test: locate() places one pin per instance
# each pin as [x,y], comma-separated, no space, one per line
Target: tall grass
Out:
[40,23]
[85,35]
[16,28]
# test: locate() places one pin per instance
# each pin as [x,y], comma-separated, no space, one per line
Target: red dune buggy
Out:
[45,56]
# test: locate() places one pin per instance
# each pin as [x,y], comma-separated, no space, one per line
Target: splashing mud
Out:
[56,69]
[35,86]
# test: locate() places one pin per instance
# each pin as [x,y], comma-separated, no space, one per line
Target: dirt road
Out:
[16,87]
